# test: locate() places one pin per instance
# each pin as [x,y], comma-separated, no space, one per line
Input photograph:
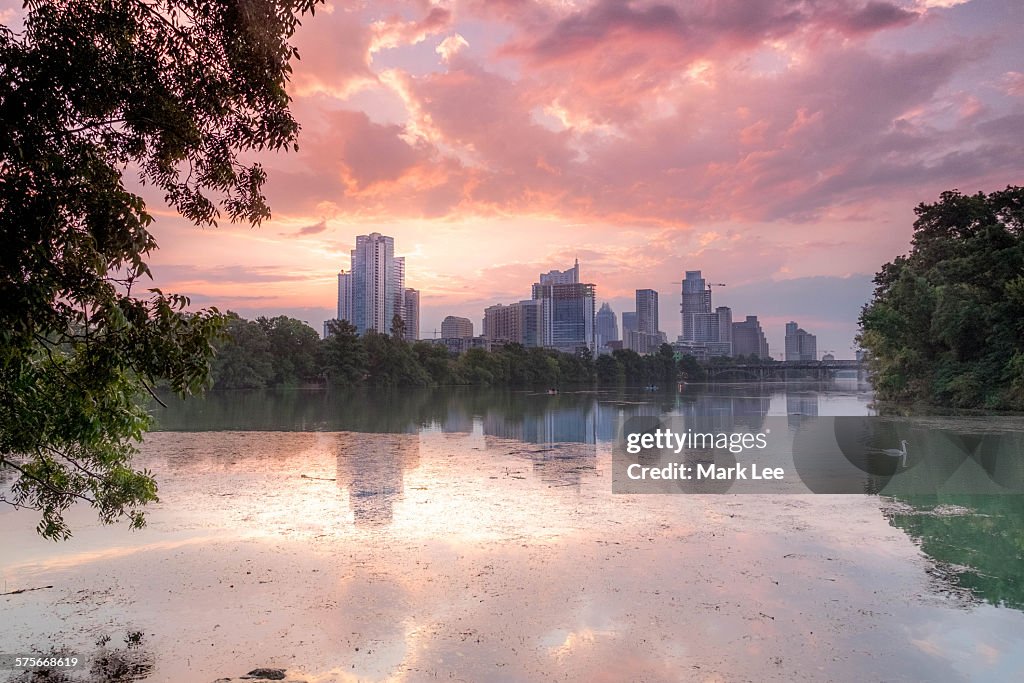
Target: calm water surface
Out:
[473,535]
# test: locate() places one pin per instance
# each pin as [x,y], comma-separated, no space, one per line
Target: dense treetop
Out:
[283,352]
[946,324]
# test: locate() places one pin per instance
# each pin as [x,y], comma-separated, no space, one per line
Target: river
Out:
[473,535]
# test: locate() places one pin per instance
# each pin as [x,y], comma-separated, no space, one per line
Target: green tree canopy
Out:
[174,91]
[946,323]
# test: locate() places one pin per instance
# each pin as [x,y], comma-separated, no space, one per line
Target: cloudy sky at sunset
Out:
[778,145]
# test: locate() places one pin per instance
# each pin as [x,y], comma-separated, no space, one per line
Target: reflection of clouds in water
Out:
[374,474]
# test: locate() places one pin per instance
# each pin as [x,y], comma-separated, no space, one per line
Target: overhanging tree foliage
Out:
[946,324]
[170,92]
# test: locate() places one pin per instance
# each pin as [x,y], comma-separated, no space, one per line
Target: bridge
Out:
[818,370]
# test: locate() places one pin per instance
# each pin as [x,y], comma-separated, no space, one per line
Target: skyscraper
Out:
[412,314]
[374,291]
[628,323]
[398,289]
[607,325]
[800,344]
[345,296]
[503,324]
[647,311]
[696,301]
[748,339]
[567,314]
[701,325]
[373,281]
[724,333]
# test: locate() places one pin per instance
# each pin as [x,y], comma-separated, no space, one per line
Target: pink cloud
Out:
[663,114]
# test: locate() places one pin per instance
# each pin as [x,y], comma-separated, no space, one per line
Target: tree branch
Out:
[47,485]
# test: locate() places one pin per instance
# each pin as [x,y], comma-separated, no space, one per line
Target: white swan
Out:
[900,452]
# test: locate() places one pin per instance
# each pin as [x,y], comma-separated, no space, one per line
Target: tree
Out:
[243,359]
[665,371]
[343,357]
[691,369]
[436,360]
[634,369]
[390,362]
[397,328]
[609,371]
[176,91]
[293,349]
[946,322]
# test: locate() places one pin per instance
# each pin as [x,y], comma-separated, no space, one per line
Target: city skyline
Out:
[784,151]
[561,314]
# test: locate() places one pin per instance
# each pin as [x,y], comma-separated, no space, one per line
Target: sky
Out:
[779,146]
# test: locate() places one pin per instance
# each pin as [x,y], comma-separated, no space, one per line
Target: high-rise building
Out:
[567,313]
[454,327]
[518,323]
[696,300]
[398,289]
[374,291]
[345,296]
[412,314]
[628,323]
[503,324]
[373,283]
[724,333]
[647,311]
[800,344]
[530,322]
[701,324]
[607,325]
[748,339]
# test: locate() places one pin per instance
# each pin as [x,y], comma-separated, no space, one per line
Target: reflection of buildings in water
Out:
[372,468]
[457,421]
[726,413]
[609,417]
[577,424]
[612,414]
[800,406]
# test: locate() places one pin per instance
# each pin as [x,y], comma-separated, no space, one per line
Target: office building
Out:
[724,332]
[530,322]
[607,326]
[702,325]
[647,311]
[567,313]
[800,344]
[748,339]
[696,301]
[628,323]
[454,327]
